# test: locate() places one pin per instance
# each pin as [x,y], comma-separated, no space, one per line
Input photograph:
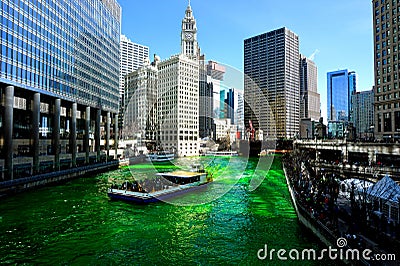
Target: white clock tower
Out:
[189,45]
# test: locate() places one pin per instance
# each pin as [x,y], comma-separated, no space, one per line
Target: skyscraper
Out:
[386,69]
[59,83]
[178,94]
[211,76]
[239,114]
[141,116]
[352,89]
[340,86]
[272,85]
[230,105]
[206,104]
[132,56]
[362,113]
[178,105]
[309,96]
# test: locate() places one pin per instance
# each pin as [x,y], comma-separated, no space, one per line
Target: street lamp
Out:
[345,143]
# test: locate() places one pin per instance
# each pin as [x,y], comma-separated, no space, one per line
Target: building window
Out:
[379,123]
[387,122]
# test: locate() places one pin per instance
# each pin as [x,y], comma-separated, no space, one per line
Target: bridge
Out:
[353,159]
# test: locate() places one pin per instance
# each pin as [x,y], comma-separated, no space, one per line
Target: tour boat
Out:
[160,156]
[164,186]
[221,153]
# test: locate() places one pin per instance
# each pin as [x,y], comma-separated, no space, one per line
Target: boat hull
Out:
[222,153]
[166,157]
[146,198]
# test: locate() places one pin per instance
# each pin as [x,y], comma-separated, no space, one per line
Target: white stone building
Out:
[140,115]
[224,128]
[178,105]
[166,93]
[132,57]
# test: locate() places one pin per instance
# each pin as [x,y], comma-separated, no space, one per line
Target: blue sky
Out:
[339,33]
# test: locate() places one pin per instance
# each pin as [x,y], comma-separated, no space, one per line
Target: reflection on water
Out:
[76,223]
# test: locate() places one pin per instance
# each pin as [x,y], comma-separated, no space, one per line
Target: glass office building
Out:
[59,83]
[341,85]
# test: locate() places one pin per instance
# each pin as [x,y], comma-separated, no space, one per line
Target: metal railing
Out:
[40,177]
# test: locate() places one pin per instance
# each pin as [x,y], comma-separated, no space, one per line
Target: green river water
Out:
[76,224]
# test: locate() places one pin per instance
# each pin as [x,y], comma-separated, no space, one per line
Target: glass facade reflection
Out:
[59,84]
[341,85]
[63,47]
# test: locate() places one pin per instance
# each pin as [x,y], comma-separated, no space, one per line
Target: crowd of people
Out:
[318,195]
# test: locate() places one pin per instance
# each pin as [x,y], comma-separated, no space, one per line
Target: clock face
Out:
[188,36]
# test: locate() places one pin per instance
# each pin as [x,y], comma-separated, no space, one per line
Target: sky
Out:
[335,34]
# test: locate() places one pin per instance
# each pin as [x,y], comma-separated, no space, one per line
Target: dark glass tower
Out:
[272,83]
[230,105]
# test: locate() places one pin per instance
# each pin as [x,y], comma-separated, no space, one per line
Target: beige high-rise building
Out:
[386,68]
[309,97]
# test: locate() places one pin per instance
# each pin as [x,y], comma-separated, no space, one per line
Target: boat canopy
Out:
[181,174]
[183,177]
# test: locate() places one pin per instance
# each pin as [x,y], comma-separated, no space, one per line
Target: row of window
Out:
[55,27]
[387,96]
[387,106]
[385,5]
[41,36]
[187,138]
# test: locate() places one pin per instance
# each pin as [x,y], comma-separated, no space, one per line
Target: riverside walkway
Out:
[320,200]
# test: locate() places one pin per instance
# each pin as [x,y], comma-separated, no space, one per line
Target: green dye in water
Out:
[77,224]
